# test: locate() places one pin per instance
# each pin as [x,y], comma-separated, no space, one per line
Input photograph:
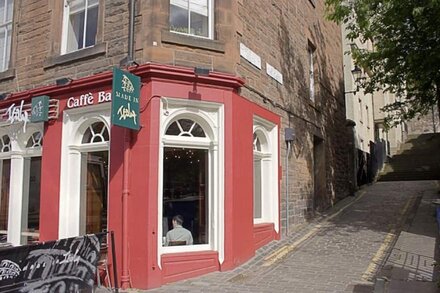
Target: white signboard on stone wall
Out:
[274,73]
[250,56]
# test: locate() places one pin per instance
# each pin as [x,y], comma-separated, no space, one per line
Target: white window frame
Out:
[29,152]
[75,122]
[211,118]
[210,22]
[66,19]
[4,26]
[19,156]
[6,156]
[268,134]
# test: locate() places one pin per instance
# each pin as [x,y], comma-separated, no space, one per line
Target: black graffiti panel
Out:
[65,265]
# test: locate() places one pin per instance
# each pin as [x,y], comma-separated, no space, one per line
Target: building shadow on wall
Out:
[322,120]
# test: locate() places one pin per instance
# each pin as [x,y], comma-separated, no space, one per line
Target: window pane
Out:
[33,200]
[36,140]
[5,144]
[179,16]
[173,129]
[257,189]
[186,124]
[4,199]
[76,5]
[93,3]
[198,131]
[92,26]
[185,191]
[8,43]
[76,31]
[2,12]
[96,193]
[9,10]
[97,132]
[257,143]
[199,17]
[3,44]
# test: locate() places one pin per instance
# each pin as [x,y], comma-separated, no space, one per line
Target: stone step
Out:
[410,167]
[407,176]
[417,159]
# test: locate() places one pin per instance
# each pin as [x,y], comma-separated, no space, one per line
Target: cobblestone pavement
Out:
[410,265]
[341,251]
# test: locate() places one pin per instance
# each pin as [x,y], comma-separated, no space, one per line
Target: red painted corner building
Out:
[202,152]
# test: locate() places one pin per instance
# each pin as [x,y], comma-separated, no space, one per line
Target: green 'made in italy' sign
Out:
[125,99]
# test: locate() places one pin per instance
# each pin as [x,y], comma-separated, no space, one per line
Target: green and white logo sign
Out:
[125,99]
[40,109]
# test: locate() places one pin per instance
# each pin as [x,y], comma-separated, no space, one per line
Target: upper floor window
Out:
[311,57]
[192,17]
[6,12]
[80,24]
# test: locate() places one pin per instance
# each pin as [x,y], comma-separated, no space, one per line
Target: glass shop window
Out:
[5,147]
[31,196]
[185,190]
[185,182]
[95,174]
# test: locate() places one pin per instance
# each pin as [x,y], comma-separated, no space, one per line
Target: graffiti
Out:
[8,270]
[17,114]
[65,265]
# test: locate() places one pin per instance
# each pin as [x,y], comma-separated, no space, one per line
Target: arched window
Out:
[185,181]
[30,216]
[191,176]
[5,171]
[94,177]
[265,197]
[84,171]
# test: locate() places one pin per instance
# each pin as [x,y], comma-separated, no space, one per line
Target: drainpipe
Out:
[287,188]
[131,33]
[288,137]
[125,277]
[129,60]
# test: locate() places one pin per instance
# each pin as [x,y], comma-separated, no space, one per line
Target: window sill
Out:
[98,49]
[190,41]
[7,74]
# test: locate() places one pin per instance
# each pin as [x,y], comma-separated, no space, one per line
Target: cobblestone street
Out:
[341,251]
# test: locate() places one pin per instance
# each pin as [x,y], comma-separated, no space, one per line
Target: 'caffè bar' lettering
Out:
[89,99]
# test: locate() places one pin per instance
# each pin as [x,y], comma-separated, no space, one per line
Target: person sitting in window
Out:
[178,235]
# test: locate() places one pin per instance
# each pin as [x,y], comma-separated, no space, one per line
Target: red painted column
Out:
[50,181]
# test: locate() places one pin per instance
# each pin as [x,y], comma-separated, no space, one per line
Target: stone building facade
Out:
[244,72]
